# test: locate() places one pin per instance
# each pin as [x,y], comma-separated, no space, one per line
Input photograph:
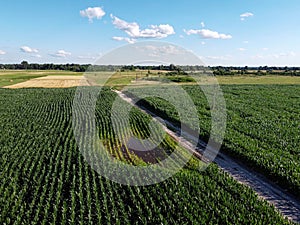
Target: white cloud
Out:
[159,51]
[134,31]
[87,57]
[61,54]
[27,49]
[92,13]
[203,43]
[242,49]
[265,49]
[129,40]
[169,49]
[246,42]
[285,54]
[2,52]
[246,15]
[208,34]
[258,56]
[281,55]
[202,24]
[223,58]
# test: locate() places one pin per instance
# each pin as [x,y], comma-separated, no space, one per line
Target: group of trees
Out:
[260,71]
[82,68]
[47,66]
[265,68]
[24,65]
[218,70]
[170,67]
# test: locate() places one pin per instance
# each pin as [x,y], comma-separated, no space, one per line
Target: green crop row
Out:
[46,180]
[263,123]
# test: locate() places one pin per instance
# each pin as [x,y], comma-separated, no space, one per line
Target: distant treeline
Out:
[47,66]
[82,68]
[222,70]
[260,71]
[217,70]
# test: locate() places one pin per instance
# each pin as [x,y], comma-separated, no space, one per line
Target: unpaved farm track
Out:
[52,82]
[288,205]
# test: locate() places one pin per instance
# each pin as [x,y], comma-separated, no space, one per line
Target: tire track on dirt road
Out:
[285,203]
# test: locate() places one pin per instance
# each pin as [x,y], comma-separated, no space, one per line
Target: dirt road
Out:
[284,202]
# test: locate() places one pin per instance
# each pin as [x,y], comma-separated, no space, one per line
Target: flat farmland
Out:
[262,125]
[11,77]
[267,79]
[46,180]
[52,82]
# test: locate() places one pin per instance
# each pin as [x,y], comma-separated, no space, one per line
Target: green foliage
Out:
[180,79]
[45,179]
[263,124]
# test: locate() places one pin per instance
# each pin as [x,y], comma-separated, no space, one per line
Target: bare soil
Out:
[284,202]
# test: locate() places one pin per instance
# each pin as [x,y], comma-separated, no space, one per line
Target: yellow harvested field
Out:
[52,82]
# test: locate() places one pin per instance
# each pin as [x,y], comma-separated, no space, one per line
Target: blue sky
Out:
[231,32]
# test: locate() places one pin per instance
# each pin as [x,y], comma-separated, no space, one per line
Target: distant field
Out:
[138,78]
[51,82]
[258,80]
[39,72]
[10,77]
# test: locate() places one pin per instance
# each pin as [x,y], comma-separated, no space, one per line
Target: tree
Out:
[24,65]
[172,67]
